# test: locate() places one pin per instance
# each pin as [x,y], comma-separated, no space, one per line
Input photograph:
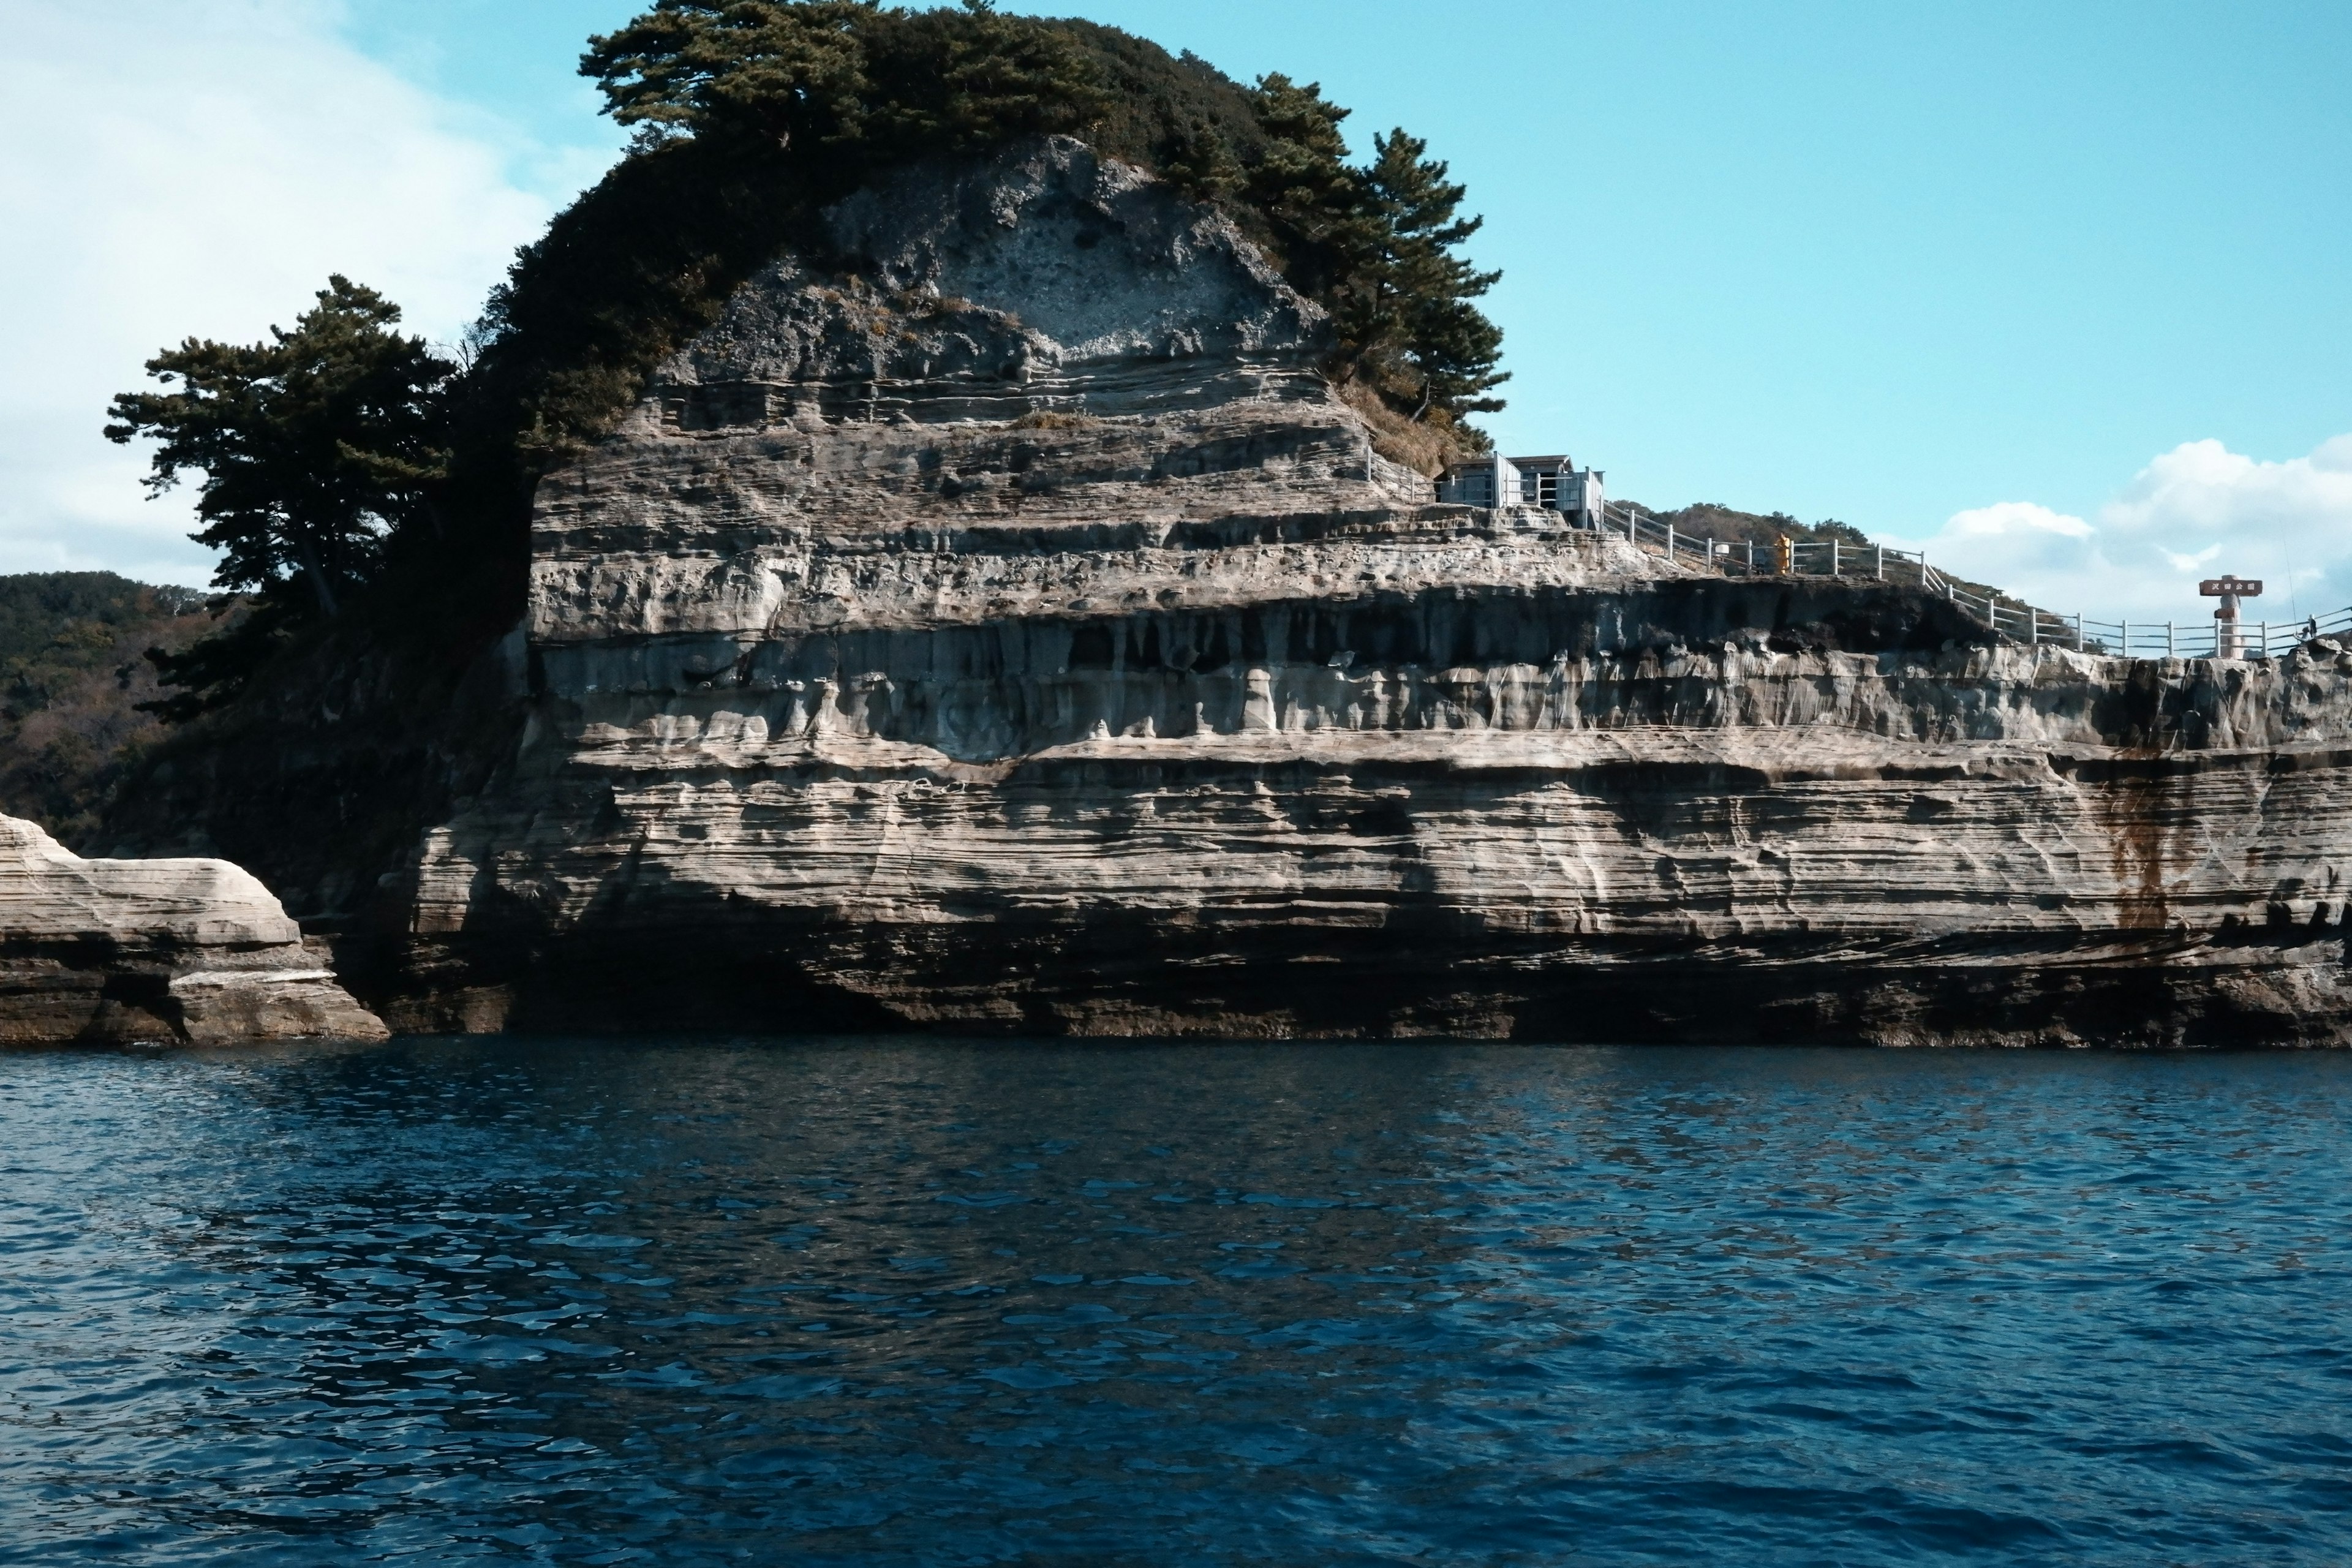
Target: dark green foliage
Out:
[71,683]
[848,81]
[41,612]
[318,449]
[1425,337]
[1377,247]
[1176,114]
[636,265]
[210,673]
[1315,208]
[346,455]
[785,73]
[1402,297]
[953,83]
[314,446]
[1831,528]
[846,89]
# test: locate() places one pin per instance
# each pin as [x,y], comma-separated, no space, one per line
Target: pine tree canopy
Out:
[314,446]
[845,78]
[1424,336]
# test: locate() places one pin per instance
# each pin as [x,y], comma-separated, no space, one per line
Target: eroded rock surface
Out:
[118,952]
[1020,637]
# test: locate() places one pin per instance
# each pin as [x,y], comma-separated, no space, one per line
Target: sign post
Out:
[2227,642]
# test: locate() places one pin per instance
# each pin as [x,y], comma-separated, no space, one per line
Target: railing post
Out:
[2078,631]
[1670,542]
[1751,558]
[1882,563]
[2170,648]
[1833,556]
[2266,638]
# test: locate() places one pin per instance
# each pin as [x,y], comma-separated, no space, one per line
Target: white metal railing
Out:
[1836,558]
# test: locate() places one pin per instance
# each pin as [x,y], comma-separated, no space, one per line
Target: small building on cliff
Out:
[1552,482]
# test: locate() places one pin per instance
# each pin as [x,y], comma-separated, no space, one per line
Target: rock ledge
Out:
[131,952]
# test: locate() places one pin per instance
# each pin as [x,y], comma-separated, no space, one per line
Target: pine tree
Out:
[958,81]
[792,72]
[845,80]
[1425,333]
[313,446]
[1377,247]
[1302,188]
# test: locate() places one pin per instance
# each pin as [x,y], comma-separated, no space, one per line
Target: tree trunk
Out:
[309,557]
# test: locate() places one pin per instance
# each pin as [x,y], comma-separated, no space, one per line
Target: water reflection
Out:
[882,1303]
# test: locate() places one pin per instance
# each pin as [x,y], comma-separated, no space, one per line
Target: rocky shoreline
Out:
[1020,637]
[154,952]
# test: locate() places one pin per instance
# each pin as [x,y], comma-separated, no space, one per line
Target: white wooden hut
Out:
[1552,482]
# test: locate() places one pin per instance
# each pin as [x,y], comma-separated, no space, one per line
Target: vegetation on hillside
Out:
[72,678]
[1713,520]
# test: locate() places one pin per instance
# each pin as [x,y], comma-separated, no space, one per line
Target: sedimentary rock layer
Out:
[119,952]
[1018,635]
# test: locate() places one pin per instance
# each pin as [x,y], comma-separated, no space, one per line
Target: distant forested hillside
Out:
[1713,520]
[73,669]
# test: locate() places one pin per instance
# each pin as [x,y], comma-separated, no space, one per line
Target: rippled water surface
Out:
[885,1303]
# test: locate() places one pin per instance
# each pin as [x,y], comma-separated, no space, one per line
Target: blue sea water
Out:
[920,1304]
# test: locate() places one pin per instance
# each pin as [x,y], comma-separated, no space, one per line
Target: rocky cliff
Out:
[1013,632]
[168,951]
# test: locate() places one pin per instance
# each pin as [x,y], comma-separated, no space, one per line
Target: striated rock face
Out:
[1024,638]
[116,951]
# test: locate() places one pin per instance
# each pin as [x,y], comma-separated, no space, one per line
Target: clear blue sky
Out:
[1882,262]
[2062,290]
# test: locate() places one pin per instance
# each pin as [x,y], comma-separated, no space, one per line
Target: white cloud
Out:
[2013,519]
[2196,510]
[199,169]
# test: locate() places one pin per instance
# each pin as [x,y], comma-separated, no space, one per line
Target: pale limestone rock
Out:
[1045,277]
[125,951]
[863,697]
